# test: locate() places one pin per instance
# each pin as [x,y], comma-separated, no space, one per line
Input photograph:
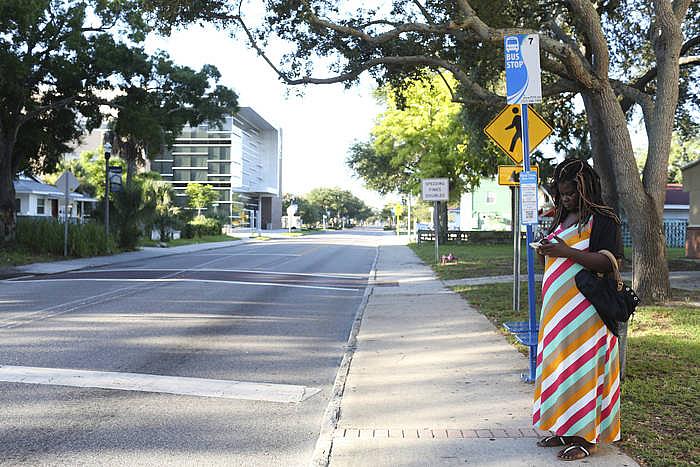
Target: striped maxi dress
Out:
[577,385]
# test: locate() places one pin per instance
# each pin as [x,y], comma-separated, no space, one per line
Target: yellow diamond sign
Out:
[505,130]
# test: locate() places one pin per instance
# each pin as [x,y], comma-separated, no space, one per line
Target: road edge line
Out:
[324,445]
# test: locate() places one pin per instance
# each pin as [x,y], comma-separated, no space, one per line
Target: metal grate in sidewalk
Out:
[438,433]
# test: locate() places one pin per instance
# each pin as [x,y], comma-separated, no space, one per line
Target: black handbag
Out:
[613,300]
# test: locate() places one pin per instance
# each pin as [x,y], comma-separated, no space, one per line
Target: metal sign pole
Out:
[408,226]
[65,219]
[532,321]
[516,248]
[436,222]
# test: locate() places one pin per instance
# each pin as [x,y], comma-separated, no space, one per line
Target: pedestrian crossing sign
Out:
[505,130]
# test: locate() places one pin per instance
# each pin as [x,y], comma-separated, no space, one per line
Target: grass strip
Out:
[496,260]
[17,256]
[472,260]
[661,391]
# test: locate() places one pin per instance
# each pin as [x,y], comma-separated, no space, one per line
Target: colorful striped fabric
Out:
[577,385]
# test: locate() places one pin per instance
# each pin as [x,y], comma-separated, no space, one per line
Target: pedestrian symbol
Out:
[516,124]
[506,131]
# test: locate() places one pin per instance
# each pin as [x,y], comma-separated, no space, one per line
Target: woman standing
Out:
[577,386]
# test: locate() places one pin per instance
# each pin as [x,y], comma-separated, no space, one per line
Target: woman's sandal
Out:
[575,452]
[552,442]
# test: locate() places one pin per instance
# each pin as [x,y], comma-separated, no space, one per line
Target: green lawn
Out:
[472,260]
[661,391]
[190,241]
[300,232]
[496,260]
[11,256]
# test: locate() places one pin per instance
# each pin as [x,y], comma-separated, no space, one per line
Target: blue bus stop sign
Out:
[523,85]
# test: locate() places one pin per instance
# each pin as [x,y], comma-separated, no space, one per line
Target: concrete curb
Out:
[324,445]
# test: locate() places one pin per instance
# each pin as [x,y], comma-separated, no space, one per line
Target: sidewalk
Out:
[433,383]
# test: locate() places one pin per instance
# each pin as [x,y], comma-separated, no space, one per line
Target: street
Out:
[261,326]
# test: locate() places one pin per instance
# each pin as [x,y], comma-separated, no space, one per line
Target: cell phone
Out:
[539,243]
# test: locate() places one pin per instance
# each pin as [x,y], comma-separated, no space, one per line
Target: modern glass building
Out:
[242,160]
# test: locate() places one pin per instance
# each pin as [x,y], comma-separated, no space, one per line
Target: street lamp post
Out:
[108,153]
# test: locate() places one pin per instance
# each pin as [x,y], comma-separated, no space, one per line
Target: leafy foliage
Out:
[155,98]
[160,195]
[202,226]
[55,60]
[200,196]
[335,203]
[419,136]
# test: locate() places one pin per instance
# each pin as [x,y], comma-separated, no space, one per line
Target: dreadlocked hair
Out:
[590,199]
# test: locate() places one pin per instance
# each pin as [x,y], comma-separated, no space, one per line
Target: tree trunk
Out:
[8,216]
[131,156]
[646,225]
[442,220]
[602,158]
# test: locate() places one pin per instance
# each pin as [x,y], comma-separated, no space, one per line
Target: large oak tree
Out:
[616,55]
[51,70]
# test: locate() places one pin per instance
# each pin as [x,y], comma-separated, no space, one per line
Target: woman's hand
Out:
[555,250]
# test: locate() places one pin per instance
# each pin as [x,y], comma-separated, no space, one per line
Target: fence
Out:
[675,230]
[484,237]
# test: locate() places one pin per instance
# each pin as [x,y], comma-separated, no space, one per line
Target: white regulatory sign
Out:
[435,189]
[528,198]
[523,85]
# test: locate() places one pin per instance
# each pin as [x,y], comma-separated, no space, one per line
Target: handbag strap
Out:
[615,268]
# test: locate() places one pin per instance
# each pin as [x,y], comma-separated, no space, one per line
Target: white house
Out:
[37,199]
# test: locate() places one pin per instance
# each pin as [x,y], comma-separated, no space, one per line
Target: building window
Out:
[490,197]
[18,205]
[41,206]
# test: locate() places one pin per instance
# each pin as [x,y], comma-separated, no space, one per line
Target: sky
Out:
[318,127]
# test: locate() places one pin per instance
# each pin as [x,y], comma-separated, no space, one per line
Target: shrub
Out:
[201,226]
[45,236]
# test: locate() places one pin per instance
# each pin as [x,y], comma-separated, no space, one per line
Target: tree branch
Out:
[585,12]
[650,74]
[424,11]
[689,61]
[571,57]
[633,94]
[43,108]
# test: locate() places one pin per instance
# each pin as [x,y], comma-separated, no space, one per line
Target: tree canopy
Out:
[60,61]
[200,196]
[51,69]
[420,135]
[155,99]
[335,203]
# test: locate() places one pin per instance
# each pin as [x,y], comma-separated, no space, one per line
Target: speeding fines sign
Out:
[435,189]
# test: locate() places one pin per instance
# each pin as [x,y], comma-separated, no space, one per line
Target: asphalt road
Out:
[275,312]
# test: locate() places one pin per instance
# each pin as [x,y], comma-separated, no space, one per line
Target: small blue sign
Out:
[523,84]
[528,198]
